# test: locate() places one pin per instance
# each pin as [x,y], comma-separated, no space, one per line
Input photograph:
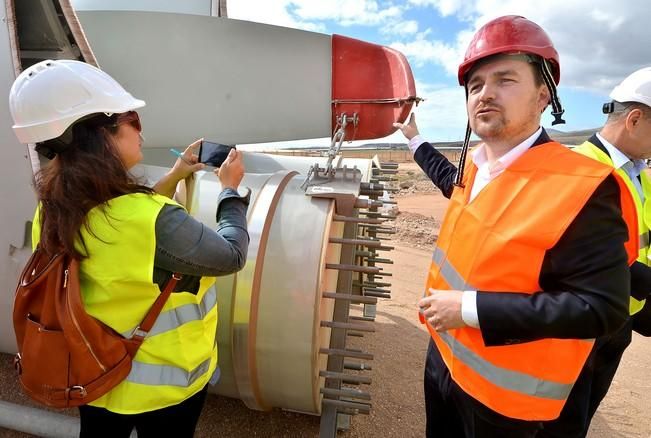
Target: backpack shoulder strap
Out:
[140,332]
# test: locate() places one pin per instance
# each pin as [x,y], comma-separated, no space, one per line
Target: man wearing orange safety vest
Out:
[531,263]
[624,143]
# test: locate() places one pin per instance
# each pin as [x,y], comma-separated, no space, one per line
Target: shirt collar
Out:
[618,157]
[479,155]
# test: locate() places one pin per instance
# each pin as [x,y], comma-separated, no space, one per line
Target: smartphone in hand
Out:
[213,154]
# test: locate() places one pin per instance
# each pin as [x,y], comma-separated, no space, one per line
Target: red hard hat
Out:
[510,33]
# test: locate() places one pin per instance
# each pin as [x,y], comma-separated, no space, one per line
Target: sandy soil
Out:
[399,345]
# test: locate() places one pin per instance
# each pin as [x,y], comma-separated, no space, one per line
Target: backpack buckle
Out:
[17,364]
[139,333]
[76,389]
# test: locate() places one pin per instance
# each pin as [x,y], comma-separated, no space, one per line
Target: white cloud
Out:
[305,14]
[270,12]
[345,12]
[422,51]
[605,19]
[447,8]
[443,113]
[407,27]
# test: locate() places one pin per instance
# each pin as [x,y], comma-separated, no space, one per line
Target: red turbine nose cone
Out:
[372,81]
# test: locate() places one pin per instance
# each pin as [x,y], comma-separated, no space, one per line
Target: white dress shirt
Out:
[632,167]
[486,172]
[414,143]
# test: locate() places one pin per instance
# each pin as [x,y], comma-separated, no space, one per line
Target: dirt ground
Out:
[399,346]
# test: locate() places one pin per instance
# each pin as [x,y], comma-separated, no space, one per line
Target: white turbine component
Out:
[269,333]
[228,81]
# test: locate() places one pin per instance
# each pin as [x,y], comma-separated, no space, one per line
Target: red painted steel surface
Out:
[373,81]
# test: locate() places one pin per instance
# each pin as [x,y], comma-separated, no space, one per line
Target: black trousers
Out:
[591,387]
[451,413]
[642,320]
[178,421]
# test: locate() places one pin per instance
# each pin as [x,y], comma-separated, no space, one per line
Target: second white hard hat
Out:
[50,96]
[635,88]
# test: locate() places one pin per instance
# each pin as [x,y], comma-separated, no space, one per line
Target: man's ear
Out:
[633,118]
[544,98]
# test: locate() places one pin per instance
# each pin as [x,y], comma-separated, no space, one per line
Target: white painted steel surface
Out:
[226,80]
[17,197]
[196,7]
[269,330]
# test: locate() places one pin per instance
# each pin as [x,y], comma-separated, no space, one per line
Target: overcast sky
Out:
[599,41]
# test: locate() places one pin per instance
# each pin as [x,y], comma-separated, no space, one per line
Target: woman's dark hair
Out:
[84,175]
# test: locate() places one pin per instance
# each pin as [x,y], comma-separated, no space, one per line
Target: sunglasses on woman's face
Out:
[130,117]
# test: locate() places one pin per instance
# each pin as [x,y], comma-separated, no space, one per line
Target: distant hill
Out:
[572,137]
[568,138]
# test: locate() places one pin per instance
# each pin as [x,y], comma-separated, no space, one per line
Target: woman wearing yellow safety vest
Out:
[129,239]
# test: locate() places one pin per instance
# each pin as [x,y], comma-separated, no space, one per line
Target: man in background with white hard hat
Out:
[624,143]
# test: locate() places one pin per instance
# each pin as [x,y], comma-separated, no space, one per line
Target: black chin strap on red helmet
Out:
[458,180]
[557,109]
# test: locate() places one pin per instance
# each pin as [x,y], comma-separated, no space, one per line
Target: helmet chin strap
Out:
[50,148]
[557,109]
[458,180]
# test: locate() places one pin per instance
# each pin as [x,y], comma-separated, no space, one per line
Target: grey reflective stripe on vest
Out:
[449,272]
[149,374]
[507,379]
[644,240]
[504,378]
[439,256]
[174,318]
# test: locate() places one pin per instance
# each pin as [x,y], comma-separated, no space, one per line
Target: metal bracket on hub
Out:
[341,184]
[317,175]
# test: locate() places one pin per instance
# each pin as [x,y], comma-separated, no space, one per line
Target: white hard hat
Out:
[50,96]
[635,88]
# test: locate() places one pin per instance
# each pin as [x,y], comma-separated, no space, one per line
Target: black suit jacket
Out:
[584,278]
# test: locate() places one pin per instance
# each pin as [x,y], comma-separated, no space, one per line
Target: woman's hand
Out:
[188,162]
[231,171]
[185,166]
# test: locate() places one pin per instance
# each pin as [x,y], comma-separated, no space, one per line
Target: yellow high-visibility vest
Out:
[179,355]
[592,151]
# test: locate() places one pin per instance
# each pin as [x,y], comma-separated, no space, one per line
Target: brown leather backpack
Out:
[65,357]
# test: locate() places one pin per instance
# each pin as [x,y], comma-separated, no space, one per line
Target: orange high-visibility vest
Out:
[497,242]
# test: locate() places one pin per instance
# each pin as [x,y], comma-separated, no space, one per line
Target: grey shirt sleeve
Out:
[189,247]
